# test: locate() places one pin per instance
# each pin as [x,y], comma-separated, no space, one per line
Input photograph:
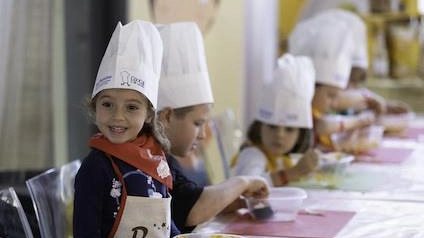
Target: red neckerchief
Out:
[144,153]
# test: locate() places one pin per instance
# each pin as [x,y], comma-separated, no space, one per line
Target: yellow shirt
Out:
[272,161]
[324,140]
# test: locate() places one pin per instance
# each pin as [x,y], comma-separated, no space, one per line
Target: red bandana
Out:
[144,153]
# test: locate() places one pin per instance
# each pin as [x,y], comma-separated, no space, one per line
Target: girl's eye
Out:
[198,123]
[289,129]
[132,107]
[106,104]
[273,127]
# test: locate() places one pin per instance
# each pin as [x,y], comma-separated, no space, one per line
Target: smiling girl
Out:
[121,189]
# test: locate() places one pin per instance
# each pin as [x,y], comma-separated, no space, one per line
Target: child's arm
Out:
[350,99]
[359,100]
[330,124]
[216,198]
[306,165]
[397,107]
[90,183]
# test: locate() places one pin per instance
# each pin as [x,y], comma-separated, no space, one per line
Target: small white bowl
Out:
[283,204]
[395,123]
[334,162]
[359,140]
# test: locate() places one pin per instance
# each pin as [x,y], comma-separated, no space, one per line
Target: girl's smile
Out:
[121,114]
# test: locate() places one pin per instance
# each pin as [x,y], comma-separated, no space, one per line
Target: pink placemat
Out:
[385,155]
[414,132]
[312,226]
[409,133]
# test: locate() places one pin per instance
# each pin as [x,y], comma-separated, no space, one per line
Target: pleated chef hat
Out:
[286,100]
[357,25]
[184,78]
[132,60]
[329,45]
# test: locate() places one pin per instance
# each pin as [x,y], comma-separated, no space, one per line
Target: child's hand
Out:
[307,163]
[366,118]
[256,187]
[375,102]
[398,107]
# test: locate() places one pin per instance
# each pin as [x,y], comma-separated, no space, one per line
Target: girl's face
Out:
[121,113]
[186,132]
[278,140]
[324,98]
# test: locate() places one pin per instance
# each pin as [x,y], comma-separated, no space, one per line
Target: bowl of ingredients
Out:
[334,162]
[282,205]
[359,140]
[395,123]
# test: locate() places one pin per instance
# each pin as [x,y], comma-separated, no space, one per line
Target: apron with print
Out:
[138,216]
[145,217]
[141,217]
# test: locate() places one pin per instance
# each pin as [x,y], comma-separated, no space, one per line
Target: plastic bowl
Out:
[283,205]
[357,141]
[202,235]
[395,123]
[334,162]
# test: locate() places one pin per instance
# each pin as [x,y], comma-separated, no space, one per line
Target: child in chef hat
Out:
[330,44]
[185,106]
[121,189]
[282,126]
[358,98]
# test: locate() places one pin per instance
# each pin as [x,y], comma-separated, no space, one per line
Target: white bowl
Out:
[283,204]
[395,123]
[359,140]
[334,162]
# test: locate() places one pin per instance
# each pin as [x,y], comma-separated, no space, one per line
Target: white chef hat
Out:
[132,60]
[184,78]
[357,25]
[329,45]
[286,100]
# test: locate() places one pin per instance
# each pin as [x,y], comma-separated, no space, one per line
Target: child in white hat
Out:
[121,189]
[283,125]
[357,98]
[330,44]
[185,103]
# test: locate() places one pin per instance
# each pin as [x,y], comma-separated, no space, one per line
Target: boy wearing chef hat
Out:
[121,189]
[185,103]
[282,125]
[330,44]
[357,97]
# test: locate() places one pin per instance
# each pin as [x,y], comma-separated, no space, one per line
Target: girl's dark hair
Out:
[317,85]
[357,75]
[154,128]
[303,143]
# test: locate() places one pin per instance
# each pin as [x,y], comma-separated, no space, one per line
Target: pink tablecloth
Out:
[385,155]
[314,226]
[410,133]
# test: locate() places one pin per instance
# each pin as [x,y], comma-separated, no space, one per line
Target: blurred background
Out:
[50,51]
